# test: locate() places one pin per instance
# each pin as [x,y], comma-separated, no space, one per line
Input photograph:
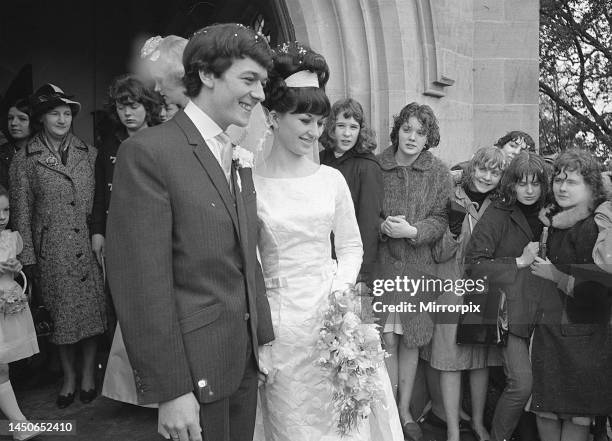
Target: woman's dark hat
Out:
[50,96]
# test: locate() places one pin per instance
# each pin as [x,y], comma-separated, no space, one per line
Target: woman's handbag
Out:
[43,324]
[489,325]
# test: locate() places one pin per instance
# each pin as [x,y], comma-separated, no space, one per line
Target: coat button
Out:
[246,316]
[202,383]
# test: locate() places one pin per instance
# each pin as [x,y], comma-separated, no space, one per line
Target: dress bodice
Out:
[10,245]
[296,217]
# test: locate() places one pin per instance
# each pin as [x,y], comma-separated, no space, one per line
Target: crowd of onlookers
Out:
[533,227]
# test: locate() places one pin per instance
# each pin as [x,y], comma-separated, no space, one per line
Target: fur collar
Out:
[425,160]
[564,219]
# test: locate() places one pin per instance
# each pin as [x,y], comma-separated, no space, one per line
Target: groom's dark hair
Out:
[214,49]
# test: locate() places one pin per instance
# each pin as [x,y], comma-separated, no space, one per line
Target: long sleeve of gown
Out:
[347,240]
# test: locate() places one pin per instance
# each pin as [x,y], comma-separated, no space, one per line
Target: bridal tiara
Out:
[303,78]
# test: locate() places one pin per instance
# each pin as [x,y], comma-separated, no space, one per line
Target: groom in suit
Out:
[181,234]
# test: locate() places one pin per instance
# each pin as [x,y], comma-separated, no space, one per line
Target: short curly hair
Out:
[490,158]
[426,117]
[513,136]
[348,108]
[214,48]
[524,164]
[127,89]
[586,165]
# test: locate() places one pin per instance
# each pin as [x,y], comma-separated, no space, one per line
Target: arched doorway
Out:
[81,46]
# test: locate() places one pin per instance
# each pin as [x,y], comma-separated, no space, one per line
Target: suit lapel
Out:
[208,161]
[249,265]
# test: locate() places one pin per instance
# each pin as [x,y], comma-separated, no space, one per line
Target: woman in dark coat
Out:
[572,346]
[417,188]
[133,107]
[469,201]
[52,189]
[503,245]
[349,144]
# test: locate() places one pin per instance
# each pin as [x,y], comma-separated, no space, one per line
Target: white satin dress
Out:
[296,217]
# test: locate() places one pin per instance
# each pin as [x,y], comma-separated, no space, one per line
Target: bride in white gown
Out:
[299,204]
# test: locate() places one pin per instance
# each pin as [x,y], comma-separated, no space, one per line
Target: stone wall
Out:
[474,62]
[506,68]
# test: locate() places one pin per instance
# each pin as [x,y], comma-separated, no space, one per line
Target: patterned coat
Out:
[420,192]
[50,205]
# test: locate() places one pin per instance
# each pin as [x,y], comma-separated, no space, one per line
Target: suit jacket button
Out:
[246,316]
[202,383]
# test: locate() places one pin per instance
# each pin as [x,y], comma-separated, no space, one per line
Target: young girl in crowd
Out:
[349,144]
[515,142]
[503,245]
[469,200]
[19,133]
[417,186]
[17,334]
[134,107]
[572,346]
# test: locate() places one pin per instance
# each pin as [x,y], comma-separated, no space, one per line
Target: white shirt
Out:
[209,131]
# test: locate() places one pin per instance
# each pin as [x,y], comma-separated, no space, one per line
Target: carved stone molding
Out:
[434,78]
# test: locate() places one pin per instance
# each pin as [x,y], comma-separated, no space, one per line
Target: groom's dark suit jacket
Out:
[182,265]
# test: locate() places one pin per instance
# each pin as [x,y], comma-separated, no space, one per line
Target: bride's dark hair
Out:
[290,58]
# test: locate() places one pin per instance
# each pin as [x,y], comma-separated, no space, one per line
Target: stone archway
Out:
[384,54]
[474,62]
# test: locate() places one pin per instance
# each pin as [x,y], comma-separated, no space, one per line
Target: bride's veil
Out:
[257,136]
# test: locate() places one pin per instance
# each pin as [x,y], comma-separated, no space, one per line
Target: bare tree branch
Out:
[569,109]
[585,100]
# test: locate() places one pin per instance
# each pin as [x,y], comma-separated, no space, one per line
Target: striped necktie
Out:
[225,154]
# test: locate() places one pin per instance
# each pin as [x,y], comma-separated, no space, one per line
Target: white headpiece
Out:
[303,78]
[150,48]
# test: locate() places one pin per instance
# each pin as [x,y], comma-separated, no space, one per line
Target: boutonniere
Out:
[242,158]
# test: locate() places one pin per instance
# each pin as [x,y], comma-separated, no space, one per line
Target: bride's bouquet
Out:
[350,351]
